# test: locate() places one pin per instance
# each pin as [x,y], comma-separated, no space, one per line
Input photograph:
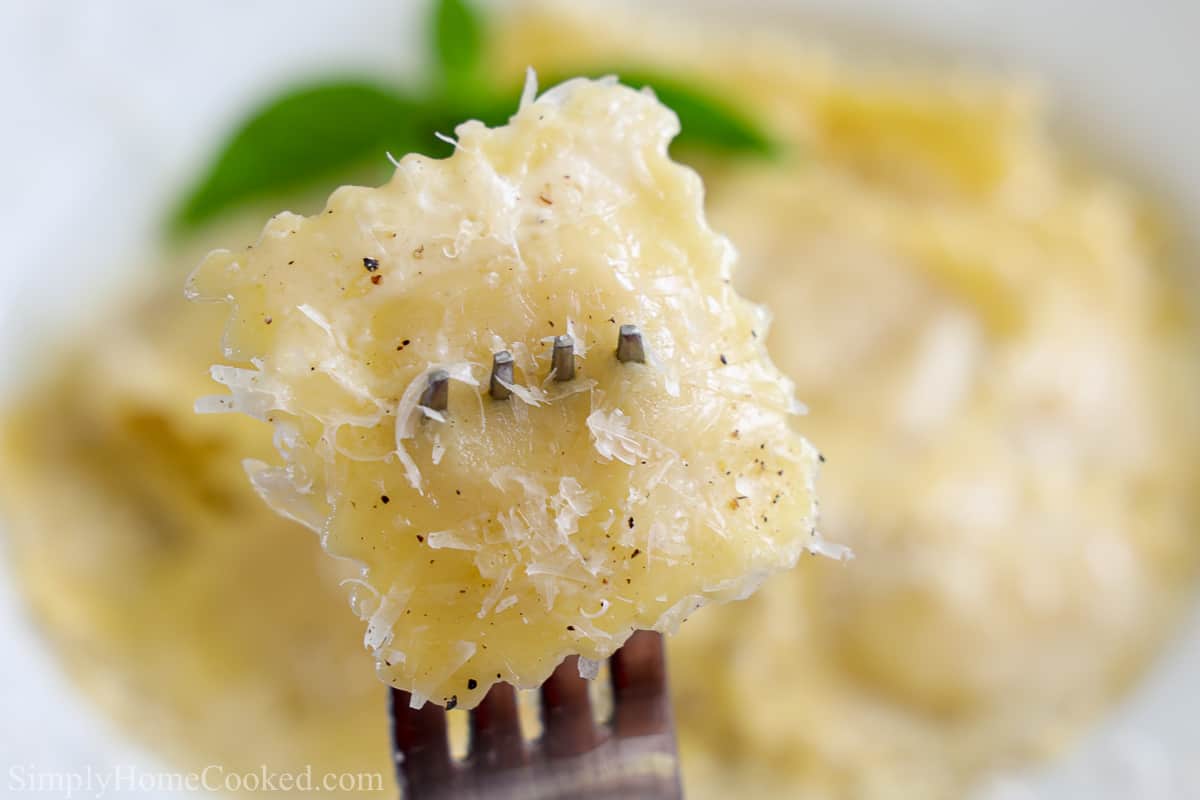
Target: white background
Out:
[106,108]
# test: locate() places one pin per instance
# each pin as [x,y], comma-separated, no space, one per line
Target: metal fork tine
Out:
[641,704]
[634,758]
[630,346]
[436,394]
[496,741]
[420,738]
[562,358]
[568,727]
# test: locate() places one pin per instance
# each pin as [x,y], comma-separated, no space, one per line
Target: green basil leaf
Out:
[304,135]
[319,132]
[458,40]
[707,121]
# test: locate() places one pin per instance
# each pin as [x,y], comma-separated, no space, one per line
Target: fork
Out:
[633,755]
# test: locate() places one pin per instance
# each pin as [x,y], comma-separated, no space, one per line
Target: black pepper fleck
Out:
[631,522]
[371,264]
[472,683]
[636,552]
[383,498]
[452,702]
[724,360]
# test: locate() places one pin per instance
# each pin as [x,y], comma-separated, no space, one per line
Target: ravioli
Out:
[517,387]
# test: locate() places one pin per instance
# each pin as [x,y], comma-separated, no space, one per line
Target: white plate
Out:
[109,107]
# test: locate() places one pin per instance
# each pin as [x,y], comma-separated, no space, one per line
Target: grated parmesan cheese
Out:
[502,536]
